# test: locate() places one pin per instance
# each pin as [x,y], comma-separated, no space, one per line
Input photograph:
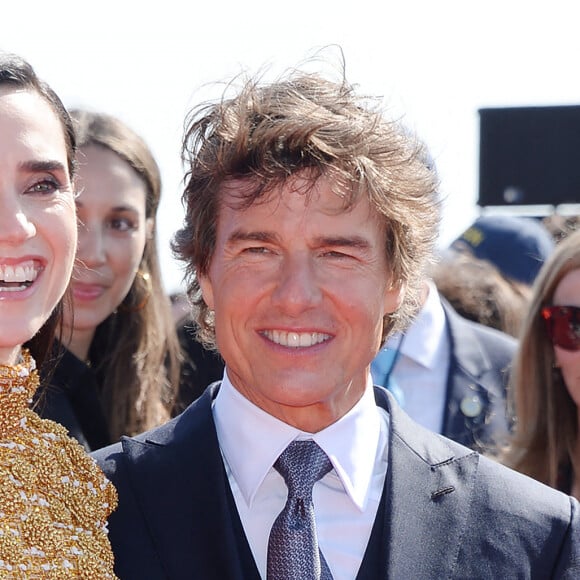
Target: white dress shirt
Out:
[422,366]
[345,500]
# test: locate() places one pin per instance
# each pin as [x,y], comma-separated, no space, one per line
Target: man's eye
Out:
[335,254]
[44,186]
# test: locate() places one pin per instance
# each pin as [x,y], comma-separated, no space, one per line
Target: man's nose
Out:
[298,286]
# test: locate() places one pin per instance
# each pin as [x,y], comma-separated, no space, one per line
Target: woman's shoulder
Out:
[54,495]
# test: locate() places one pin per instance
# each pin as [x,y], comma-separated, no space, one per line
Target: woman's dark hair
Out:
[17,73]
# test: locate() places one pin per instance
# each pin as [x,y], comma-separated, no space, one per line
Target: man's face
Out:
[299,288]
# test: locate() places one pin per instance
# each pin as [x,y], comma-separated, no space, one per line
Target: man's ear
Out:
[206,289]
[394,296]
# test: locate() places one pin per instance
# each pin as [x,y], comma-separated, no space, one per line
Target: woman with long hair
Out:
[546,376]
[119,371]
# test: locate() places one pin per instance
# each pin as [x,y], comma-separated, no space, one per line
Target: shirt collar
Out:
[251,440]
[424,335]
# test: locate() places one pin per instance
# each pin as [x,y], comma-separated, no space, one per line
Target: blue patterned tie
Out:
[293,552]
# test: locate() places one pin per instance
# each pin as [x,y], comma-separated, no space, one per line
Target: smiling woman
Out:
[120,364]
[37,223]
[54,501]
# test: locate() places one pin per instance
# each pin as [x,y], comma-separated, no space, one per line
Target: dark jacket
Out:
[446,511]
[72,398]
[476,413]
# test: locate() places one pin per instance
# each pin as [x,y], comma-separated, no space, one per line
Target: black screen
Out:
[529,155]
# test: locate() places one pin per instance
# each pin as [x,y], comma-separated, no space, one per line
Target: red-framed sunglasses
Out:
[563,325]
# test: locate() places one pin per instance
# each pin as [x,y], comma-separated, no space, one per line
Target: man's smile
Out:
[295,339]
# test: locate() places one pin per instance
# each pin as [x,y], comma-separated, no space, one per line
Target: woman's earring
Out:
[145,278]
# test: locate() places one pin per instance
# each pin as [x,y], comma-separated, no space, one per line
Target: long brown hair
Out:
[135,351]
[546,417]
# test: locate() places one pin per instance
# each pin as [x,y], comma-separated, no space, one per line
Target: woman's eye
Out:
[122,225]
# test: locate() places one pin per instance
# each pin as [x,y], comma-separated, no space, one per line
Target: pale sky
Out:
[434,62]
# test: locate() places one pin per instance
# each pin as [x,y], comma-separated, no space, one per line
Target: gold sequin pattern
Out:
[54,499]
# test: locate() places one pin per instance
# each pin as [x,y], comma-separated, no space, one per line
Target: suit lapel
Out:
[428,492]
[183,461]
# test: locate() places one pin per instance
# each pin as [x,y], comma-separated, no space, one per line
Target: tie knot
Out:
[301,465]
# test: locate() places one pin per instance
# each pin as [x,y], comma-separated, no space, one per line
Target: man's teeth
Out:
[296,339]
[18,276]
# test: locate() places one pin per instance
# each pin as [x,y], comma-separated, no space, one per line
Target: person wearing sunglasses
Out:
[546,376]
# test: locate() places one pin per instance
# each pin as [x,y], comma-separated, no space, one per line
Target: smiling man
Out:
[300,289]
[310,219]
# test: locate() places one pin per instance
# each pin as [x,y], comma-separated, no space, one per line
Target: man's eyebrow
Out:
[270,237]
[344,241]
[40,165]
[253,236]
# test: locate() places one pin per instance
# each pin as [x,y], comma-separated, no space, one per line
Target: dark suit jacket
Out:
[446,511]
[480,360]
[200,366]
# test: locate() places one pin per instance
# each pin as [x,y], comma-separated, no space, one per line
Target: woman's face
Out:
[38,228]
[568,294]
[113,231]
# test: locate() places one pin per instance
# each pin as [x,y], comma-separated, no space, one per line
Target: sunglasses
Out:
[563,325]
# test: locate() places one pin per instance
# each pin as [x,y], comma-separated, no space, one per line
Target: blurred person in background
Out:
[450,374]
[517,246]
[560,225]
[487,273]
[478,291]
[119,368]
[450,368]
[546,376]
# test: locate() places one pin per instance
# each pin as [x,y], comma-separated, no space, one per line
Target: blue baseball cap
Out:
[517,246]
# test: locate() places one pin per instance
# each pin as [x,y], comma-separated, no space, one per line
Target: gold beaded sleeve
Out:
[54,499]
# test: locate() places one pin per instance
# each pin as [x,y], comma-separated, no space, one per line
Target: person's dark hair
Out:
[478,291]
[17,73]
[306,124]
[135,351]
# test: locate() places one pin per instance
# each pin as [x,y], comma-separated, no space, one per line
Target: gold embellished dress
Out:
[54,500]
